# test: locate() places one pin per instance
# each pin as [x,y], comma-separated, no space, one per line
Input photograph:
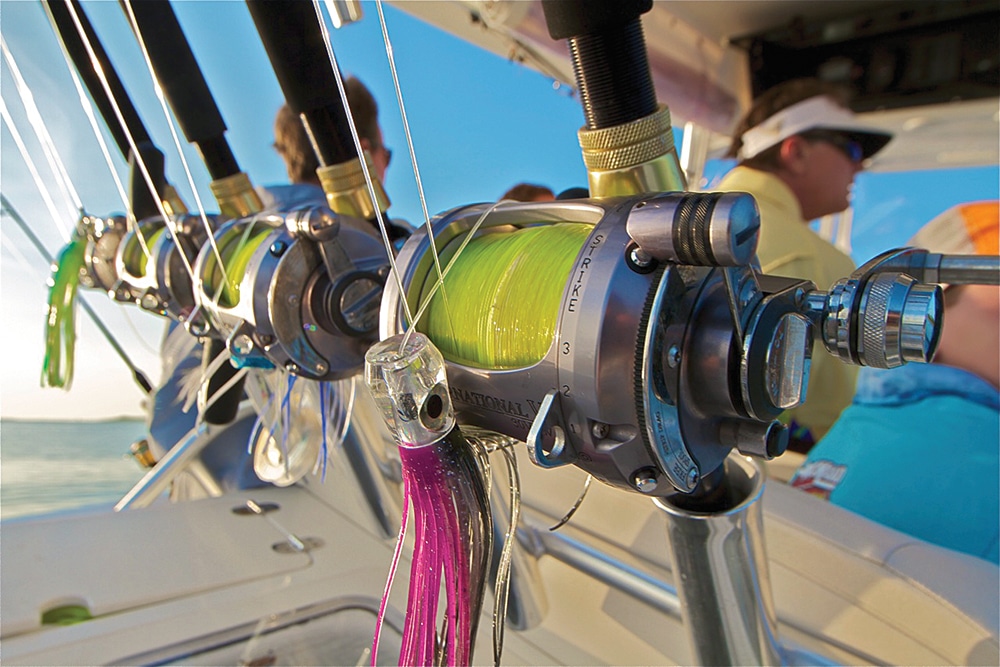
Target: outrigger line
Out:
[139,377]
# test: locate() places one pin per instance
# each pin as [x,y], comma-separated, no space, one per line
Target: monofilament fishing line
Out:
[503,296]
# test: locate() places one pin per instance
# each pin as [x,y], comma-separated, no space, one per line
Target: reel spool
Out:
[644,352]
[159,282]
[299,289]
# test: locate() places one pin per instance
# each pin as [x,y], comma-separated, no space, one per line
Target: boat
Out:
[199,565]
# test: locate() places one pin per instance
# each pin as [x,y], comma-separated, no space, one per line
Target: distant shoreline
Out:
[106,420]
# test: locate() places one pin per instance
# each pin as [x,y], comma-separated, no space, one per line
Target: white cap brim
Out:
[816,113]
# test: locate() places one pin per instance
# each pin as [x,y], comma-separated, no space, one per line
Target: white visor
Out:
[819,112]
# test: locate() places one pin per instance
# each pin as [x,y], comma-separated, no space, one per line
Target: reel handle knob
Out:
[883,322]
[697,228]
[900,321]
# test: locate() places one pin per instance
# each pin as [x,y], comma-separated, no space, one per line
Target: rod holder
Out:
[720,570]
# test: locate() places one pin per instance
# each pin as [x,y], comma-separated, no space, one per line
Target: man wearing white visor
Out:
[799,149]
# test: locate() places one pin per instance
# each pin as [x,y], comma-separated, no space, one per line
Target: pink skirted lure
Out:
[444,486]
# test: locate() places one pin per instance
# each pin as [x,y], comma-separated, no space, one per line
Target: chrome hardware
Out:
[698,229]
[308,295]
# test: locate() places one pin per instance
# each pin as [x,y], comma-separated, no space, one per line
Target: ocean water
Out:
[52,466]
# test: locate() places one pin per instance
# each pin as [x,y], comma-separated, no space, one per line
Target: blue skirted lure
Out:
[299,422]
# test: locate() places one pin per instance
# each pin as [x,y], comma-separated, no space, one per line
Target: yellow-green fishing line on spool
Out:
[60,326]
[134,254]
[503,293]
[150,243]
[237,255]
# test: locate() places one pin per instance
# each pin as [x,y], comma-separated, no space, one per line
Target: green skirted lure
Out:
[60,326]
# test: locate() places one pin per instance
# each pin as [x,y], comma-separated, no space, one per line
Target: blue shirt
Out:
[918,451]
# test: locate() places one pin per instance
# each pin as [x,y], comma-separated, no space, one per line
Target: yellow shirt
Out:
[788,247]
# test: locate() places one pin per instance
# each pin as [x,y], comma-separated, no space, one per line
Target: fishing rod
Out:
[181,79]
[145,264]
[118,257]
[293,40]
[113,254]
[633,335]
[137,374]
[297,289]
[63,14]
[644,276]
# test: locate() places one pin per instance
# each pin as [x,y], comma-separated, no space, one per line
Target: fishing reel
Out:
[100,269]
[298,289]
[153,261]
[653,344]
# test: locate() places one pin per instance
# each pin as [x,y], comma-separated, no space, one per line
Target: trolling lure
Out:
[60,325]
[445,483]
[299,422]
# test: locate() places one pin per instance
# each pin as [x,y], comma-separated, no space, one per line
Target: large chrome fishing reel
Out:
[100,270]
[145,265]
[154,261]
[667,348]
[297,289]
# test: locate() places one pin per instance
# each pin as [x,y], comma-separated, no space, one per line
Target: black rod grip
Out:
[184,84]
[61,17]
[609,57]
[572,18]
[612,73]
[294,44]
[144,205]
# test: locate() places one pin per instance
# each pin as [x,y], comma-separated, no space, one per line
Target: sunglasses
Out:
[388,154]
[849,147]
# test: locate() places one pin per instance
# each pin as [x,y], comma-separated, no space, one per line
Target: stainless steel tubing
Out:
[722,577]
[969,270]
[932,267]
[159,477]
[606,569]
[180,457]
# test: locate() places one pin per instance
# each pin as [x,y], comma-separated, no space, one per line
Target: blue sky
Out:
[480,124]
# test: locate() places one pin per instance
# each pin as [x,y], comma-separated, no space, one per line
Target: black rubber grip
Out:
[294,44]
[62,19]
[572,18]
[184,85]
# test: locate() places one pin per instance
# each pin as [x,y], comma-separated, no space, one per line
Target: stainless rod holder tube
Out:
[720,569]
